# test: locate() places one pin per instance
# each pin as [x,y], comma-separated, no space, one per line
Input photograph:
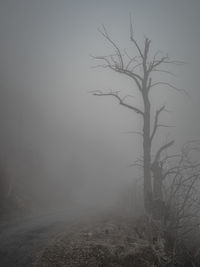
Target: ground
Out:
[107,242]
[67,238]
[22,240]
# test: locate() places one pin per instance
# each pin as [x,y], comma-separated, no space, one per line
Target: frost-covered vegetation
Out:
[121,241]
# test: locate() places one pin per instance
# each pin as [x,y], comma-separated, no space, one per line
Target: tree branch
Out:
[156,122]
[162,149]
[133,39]
[106,36]
[155,63]
[169,85]
[164,71]
[121,102]
[117,68]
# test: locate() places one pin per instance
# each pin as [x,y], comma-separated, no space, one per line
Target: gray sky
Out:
[46,73]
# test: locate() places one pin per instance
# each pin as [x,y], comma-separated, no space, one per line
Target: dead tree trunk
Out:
[139,69]
[147,155]
[157,181]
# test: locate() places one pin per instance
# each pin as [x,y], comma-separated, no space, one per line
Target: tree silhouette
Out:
[140,69]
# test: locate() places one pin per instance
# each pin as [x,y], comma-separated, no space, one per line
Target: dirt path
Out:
[21,242]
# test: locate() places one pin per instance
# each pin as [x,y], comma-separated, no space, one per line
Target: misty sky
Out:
[46,74]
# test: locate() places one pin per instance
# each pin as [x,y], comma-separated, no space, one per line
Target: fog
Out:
[60,145]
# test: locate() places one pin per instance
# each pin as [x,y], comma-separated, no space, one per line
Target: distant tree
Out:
[140,69]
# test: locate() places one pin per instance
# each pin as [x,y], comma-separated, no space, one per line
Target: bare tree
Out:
[140,69]
[178,182]
[181,177]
